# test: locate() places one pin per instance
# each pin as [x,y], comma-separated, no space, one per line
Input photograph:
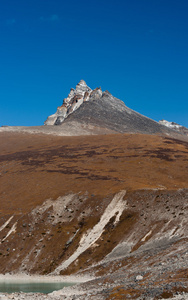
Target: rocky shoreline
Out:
[85,289]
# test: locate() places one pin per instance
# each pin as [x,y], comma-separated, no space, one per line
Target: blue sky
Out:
[137,50]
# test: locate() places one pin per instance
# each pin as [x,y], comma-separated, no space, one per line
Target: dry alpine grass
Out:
[37,167]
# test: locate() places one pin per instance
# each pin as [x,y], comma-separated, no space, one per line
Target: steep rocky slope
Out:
[112,206]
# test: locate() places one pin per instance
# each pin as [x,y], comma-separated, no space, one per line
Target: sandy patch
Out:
[42,278]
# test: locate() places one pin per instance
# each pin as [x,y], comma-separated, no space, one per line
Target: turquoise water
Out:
[32,287]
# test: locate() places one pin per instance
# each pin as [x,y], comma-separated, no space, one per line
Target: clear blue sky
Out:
[135,49]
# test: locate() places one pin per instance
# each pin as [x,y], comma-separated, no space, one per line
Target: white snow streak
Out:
[145,237]
[6,223]
[116,207]
[12,230]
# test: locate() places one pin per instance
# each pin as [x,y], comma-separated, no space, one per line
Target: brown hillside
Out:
[37,167]
[114,206]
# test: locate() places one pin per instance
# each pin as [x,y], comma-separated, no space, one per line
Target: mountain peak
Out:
[98,111]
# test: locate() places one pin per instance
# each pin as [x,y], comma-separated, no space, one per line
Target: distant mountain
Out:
[88,108]
[174,126]
[93,112]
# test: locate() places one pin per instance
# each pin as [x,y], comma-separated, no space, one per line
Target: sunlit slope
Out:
[37,167]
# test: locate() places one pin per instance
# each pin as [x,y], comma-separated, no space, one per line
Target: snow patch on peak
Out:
[172,125]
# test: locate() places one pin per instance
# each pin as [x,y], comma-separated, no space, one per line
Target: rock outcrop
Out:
[75,98]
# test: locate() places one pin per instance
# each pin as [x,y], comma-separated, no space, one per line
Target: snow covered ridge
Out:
[75,98]
[174,126]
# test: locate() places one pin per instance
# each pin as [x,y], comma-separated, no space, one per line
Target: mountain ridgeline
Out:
[85,107]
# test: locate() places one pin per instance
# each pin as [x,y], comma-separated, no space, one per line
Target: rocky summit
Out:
[87,108]
[75,98]
[94,112]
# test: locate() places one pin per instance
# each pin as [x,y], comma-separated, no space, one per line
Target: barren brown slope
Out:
[37,167]
[56,191]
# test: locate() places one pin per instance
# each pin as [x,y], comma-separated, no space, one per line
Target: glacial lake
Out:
[32,287]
